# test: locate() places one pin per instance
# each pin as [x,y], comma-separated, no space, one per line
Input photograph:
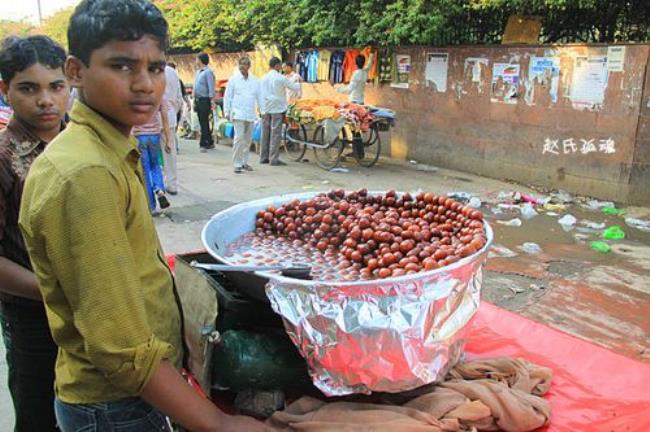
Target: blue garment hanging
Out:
[313,66]
[301,65]
[336,67]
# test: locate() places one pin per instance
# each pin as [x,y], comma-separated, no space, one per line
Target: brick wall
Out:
[472,127]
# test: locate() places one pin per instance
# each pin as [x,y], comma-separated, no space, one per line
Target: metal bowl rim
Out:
[265,202]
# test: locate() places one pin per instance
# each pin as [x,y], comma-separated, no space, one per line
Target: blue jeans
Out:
[149,146]
[124,415]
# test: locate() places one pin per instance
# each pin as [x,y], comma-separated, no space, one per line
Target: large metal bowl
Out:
[388,335]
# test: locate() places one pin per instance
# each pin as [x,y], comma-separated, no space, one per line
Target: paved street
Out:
[598,297]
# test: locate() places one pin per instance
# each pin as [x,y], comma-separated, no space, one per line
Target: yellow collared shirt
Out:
[108,292]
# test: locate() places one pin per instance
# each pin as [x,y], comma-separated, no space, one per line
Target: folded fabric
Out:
[482,395]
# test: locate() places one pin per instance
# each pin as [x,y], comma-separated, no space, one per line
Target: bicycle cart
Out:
[331,128]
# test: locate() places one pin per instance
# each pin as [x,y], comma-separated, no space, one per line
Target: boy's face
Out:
[124,81]
[39,97]
[287,69]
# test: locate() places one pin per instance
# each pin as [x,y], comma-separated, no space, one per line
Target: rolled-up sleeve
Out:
[209,77]
[83,230]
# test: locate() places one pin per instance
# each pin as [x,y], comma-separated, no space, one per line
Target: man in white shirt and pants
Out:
[174,97]
[274,93]
[242,94]
[356,90]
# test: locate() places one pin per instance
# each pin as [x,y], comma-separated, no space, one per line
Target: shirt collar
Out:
[22,138]
[123,146]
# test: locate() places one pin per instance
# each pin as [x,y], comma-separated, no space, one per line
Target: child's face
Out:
[124,81]
[39,97]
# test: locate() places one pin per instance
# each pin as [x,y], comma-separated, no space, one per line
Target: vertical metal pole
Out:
[40,16]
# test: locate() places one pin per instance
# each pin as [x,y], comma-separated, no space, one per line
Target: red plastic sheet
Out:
[593,389]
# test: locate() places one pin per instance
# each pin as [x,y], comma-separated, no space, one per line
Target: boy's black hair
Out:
[274,62]
[20,53]
[97,22]
[360,60]
[204,58]
[288,63]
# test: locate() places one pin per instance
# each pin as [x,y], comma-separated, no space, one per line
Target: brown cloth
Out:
[482,395]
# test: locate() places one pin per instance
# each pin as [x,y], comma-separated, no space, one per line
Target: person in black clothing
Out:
[204,92]
[36,89]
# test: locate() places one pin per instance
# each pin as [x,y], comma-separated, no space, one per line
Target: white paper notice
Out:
[615,58]
[589,82]
[435,71]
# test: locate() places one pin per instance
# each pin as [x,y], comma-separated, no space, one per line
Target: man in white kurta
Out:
[174,97]
[274,88]
[242,98]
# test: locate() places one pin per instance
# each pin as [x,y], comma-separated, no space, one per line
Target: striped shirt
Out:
[155,126]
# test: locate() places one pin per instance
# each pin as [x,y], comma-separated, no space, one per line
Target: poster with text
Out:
[589,82]
[544,71]
[615,58]
[505,82]
[403,63]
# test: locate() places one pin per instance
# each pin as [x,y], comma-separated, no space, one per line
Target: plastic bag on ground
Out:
[614,232]
[613,211]
[475,202]
[516,222]
[640,224]
[568,222]
[593,225]
[561,197]
[528,211]
[598,205]
[531,248]
[600,246]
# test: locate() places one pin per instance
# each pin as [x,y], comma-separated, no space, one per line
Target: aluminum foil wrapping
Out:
[389,335]
[380,336]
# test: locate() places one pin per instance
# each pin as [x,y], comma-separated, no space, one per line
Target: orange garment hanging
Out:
[372,73]
[349,64]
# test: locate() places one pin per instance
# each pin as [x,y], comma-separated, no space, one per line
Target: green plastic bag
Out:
[613,211]
[614,232]
[600,246]
[262,361]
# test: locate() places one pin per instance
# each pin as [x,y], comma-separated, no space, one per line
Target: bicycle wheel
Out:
[295,151]
[327,157]
[371,147]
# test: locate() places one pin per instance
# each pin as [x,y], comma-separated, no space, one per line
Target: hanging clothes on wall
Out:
[349,63]
[300,64]
[325,57]
[336,67]
[386,63]
[372,73]
[312,64]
